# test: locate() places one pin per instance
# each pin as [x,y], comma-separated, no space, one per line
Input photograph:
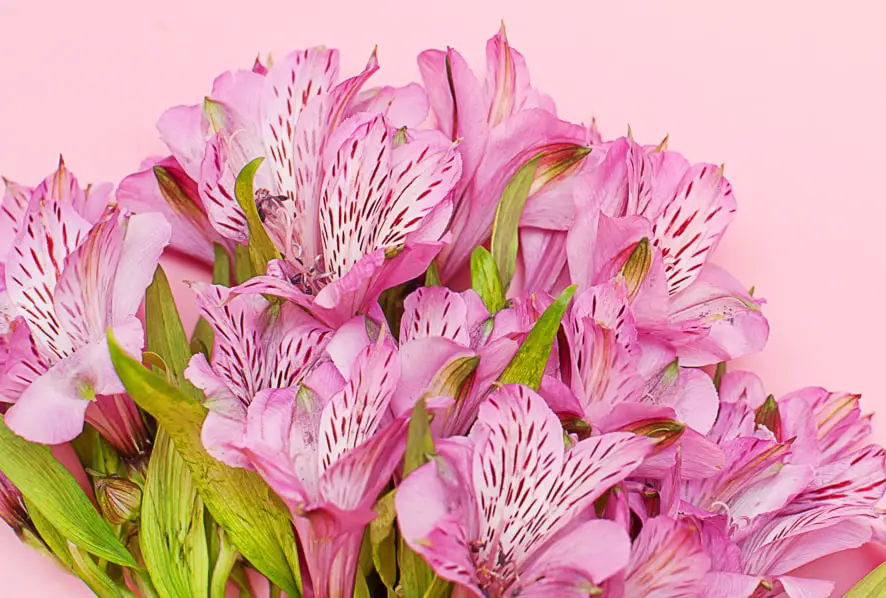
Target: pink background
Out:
[790,95]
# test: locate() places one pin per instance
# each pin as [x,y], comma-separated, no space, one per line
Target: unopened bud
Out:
[665,432]
[767,416]
[119,499]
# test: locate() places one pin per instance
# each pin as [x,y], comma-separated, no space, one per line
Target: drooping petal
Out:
[716,319]
[573,565]
[692,223]
[667,561]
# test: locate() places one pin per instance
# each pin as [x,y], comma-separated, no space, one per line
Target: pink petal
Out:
[12,211]
[405,106]
[435,312]
[354,415]
[222,438]
[182,130]
[216,188]
[422,359]
[572,564]
[798,587]
[667,560]
[691,225]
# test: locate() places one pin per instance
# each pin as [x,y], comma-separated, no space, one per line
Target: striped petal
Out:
[692,223]
[667,561]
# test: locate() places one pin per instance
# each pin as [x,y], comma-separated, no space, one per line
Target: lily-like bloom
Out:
[69,283]
[451,347]
[676,214]
[500,124]
[508,511]
[328,453]
[803,484]
[258,346]
[381,213]
[287,114]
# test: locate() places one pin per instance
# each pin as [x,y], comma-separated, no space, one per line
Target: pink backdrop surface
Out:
[790,95]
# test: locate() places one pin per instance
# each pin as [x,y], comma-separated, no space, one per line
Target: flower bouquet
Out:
[453,345]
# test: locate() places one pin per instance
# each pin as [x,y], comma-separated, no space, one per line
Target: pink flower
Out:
[442,334]
[328,452]
[383,209]
[500,124]
[257,347]
[682,211]
[508,510]
[69,283]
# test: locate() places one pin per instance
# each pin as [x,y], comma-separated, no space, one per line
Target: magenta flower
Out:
[328,453]
[500,124]
[682,211]
[440,331]
[508,510]
[257,347]
[383,209]
[70,283]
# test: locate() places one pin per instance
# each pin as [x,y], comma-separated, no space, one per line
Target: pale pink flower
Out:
[70,283]
[328,452]
[508,511]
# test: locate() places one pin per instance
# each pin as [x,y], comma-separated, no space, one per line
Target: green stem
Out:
[227,558]
[276,592]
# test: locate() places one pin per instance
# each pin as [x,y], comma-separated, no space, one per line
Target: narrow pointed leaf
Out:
[165,333]
[97,580]
[242,265]
[505,238]
[528,365]
[239,500]
[56,542]
[173,536]
[45,482]
[486,280]
[261,248]
[416,576]
[872,586]
[383,540]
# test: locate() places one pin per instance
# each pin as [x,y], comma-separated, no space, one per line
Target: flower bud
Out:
[119,499]
[12,507]
[767,416]
[665,432]
[636,267]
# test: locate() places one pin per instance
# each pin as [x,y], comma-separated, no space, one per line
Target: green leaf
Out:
[224,565]
[203,336]
[419,441]
[239,500]
[45,482]
[505,238]
[54,540]
[486,280]
[383,539]
[173,536]
[165,333]
[528,365]
[96,454]
[432,276]
[416,576]
[242,265]
[261,248]
[872,586]
[97,580]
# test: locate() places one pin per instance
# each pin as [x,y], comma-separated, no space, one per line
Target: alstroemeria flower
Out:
[328,454]
[286,114]
[450,347]
[678,212]
[508,511]
[667,561]
[500,125]
[383,209]
[258,346]
[70,282]
[807,486]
